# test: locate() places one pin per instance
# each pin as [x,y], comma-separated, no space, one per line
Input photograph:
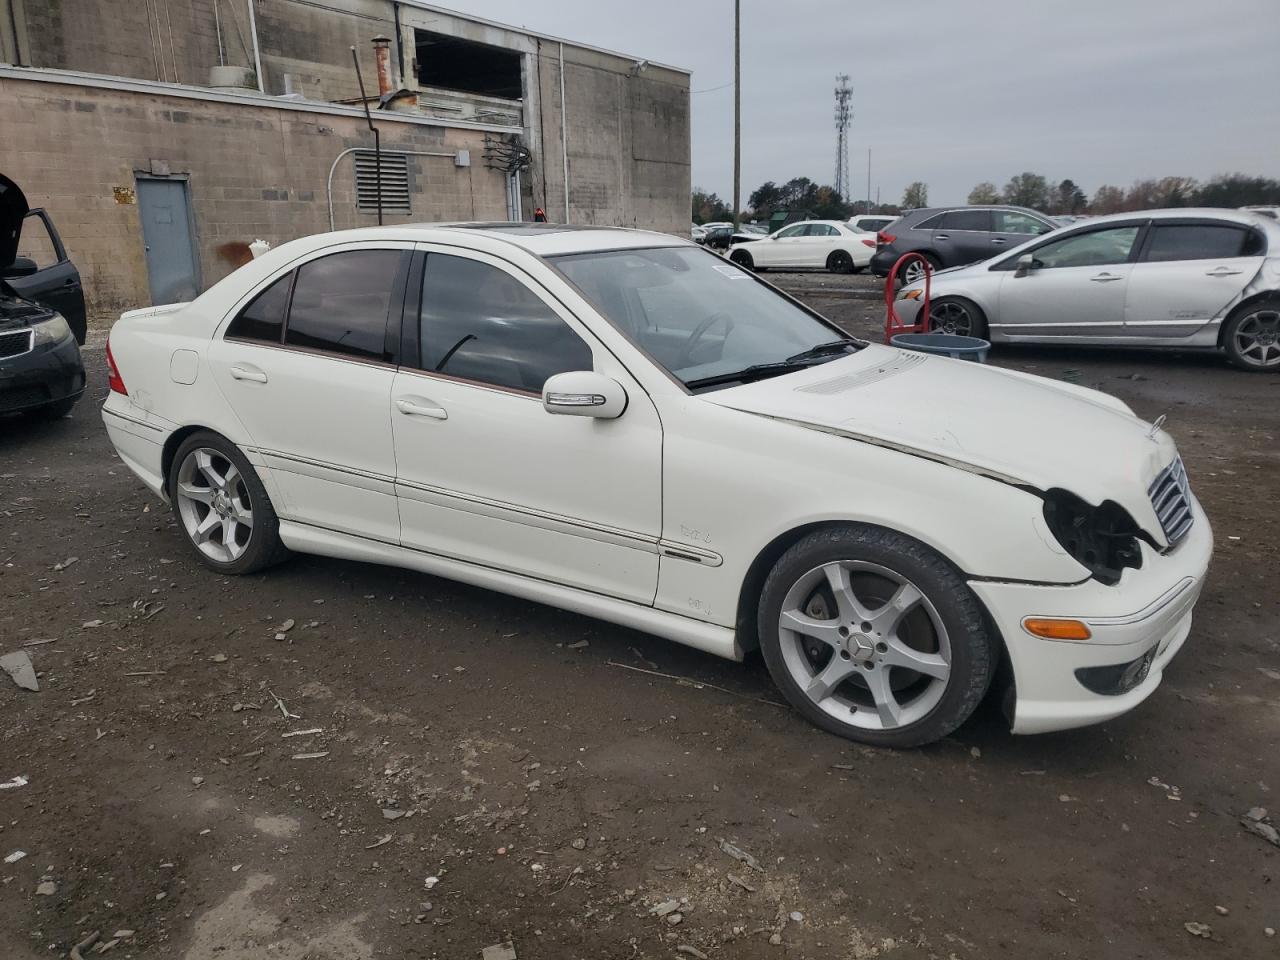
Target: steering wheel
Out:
[700,331]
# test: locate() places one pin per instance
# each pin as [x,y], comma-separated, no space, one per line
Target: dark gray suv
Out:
[954,236]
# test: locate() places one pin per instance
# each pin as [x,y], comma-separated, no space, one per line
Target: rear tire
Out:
[844,613]
[957,316]
[840,262]
[222,507]
[913,270]
[1251,337]
[743,259]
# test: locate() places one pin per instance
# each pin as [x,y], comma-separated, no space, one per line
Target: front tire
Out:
[874,637]
[1251,337]
[957,316]
[222,507]
[742,259]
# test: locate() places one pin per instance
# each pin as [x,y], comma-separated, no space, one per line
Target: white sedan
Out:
[1183,278]
[623,424]
[824,244]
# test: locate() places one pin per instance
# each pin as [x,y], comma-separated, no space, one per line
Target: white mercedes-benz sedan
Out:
[817,244]
[623,424]
[1189,279]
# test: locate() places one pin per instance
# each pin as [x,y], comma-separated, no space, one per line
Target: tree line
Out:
[1024,190]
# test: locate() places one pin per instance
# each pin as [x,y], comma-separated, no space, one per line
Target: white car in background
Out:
[871,223]
[625,425]
[697,233]
[822,244]
[1183,278]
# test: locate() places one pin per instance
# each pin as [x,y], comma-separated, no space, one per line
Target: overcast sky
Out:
[1101,91]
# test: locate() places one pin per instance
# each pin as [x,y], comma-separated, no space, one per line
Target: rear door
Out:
[815,246]
[1189,270]
[307,366]
[56,282]
[784,248]
[963,236]
[1076,288]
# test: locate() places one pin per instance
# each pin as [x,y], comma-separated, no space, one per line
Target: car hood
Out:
[16,311]
[1012,426]
[13,208]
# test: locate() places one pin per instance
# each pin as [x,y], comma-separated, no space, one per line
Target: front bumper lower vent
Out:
[1171,499]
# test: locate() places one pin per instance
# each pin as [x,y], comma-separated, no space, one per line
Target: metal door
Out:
[172,271]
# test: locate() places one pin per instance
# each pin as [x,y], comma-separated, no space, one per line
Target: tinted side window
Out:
[967,220]
[1201,241]
[929,224]
[821,230]
[263,318]
[1089,249]
[481,323]
[340,303]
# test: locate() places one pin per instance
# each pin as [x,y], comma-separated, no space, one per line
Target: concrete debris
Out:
[15,782]
[286,626]
[218,658]
[738,881]
[579,844]
[47,888]
[691,951]
[196,781]
[665,907]
[578,645]
[18,666]
[91,623]
[301,733]
[123,934]
[311,756]
[1221,910]
[741,855]
[1197,929]
[15,856]
[385,838]
[1258,823]
[84,944]
[674,918]
[430,882]
[389,813]
[499,951]
[63,564]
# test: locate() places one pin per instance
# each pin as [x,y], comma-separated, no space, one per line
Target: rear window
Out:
[1202,241]
[929,224]
[263,318]
[341,303]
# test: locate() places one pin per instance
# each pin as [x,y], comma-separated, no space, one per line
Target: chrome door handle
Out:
[421,408]
[1105,278]
[246,372]
[1222,272]
[998,240]
[941,236]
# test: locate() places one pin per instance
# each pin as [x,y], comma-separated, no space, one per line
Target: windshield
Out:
[699,316]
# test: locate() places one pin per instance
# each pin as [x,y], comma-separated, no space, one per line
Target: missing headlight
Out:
[1104,539]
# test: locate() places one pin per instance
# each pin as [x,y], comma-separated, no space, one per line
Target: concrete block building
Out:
[165,136]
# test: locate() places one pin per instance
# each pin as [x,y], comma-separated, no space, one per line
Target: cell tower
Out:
[844,93]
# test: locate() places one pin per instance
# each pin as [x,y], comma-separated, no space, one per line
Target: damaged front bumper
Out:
[1137,626]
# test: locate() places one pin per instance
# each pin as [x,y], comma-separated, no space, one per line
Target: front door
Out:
[167,237]
[484,473]
[1075,288]
[56,282]
[1188,272]
[307,366]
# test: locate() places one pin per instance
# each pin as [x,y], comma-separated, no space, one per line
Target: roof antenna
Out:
[377,140]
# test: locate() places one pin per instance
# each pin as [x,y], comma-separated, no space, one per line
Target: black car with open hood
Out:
[42,315]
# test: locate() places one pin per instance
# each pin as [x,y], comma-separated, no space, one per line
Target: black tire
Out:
[743,259]
[934,265]
[839,262]
[958,316]
[56,410]
[972,649]
[264,548]
[1254,322]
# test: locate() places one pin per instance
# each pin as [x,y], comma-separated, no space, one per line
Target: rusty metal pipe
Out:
[382,59]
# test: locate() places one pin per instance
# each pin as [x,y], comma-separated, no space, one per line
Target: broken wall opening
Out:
[452,63]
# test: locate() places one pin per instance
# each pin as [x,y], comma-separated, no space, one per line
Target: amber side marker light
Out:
[1051,629]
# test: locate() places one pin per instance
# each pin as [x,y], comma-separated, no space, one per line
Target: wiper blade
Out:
[758,371]
[824,349]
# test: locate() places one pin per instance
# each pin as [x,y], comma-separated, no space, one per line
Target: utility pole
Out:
[868,179]
[844,93]
[737,109]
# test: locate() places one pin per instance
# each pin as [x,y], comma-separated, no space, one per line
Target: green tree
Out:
[1027,190]
[1108,199]
[985,192]
[915,196]
[765,199]
[708,207]
[1237,190]
[1069,198]
[1175,191]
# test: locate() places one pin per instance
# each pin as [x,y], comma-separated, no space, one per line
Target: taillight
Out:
[114,380]
[869,243]
[885,238]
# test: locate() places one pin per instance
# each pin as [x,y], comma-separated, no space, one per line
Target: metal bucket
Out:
[945,345]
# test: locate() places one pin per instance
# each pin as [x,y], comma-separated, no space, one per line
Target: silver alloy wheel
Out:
[913,272]
[880,660]
[1257,338]
[214,504]
[951,317]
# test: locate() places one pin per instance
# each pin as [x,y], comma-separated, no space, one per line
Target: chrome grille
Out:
[17,343]
[1171,499]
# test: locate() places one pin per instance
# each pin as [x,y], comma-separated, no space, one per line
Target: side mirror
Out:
[1026,264]
[21,267]
[584,393]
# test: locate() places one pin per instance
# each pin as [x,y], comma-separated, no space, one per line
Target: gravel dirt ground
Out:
[337,761]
